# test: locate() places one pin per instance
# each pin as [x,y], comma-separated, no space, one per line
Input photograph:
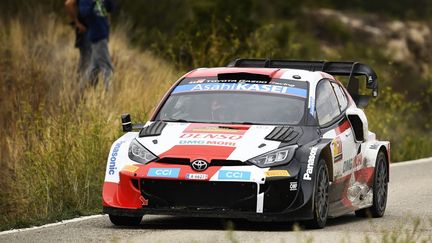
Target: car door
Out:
[352,161]
[334,125]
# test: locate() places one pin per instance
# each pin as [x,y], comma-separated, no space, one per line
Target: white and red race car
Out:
[270,140]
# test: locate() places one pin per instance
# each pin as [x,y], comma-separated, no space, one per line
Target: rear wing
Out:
[347,69]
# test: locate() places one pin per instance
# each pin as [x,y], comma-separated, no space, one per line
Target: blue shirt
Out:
[95,16]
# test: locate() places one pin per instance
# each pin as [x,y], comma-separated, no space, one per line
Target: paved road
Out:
[410,199]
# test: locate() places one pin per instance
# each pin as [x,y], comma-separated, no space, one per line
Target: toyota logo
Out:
[199,165]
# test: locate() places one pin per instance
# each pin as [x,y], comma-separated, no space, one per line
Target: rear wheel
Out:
[380,189]
[124,220]
[321,199]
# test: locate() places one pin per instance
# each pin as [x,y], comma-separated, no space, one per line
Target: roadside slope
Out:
[54,138]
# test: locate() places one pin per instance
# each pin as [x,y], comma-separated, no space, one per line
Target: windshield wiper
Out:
[181,120]
[175,120]
[255,123]
[247,123]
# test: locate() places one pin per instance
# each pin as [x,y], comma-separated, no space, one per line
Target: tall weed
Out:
[54,141]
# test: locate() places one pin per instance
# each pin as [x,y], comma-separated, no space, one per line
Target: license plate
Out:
[196,176]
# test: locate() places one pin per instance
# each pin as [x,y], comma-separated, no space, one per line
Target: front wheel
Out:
[124,220]
[320,198]
[380,189]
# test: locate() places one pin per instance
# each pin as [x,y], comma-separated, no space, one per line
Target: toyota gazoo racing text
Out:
[265,140]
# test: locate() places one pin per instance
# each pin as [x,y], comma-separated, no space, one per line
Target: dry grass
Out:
[53,144]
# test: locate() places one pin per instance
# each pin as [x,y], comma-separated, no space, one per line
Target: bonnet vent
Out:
[154,129]
[282,133]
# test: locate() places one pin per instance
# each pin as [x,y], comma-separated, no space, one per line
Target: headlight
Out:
[139,154]
[275,157]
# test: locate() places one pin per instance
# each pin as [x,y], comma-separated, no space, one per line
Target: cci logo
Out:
[164,172]
[234,175]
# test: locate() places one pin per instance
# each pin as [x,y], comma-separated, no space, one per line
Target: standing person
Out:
[82,39]
[96,15]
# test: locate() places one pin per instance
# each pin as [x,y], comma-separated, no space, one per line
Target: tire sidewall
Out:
[317,218]
[377,209]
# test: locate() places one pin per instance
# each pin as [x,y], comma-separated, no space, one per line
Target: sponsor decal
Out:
[200,81]
[282,84]
[192,142]
[144,202]
[358,161]
[312,105]
[196,176]
[216,129]
[221,143]
[293,186]
[196,134]
[241,86]
[164,172]
[233,175]
[113,158]
[204,142]
[337,149]
[274,173]
[347,165]
[210,136]
[130,168]
[310,164]
[353,163]
[374,146]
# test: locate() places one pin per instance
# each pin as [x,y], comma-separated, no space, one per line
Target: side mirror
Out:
[126,122]
[359,123]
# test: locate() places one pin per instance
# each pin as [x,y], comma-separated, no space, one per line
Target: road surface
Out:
[409,202]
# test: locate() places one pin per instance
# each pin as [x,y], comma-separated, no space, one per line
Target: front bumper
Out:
[303,213]
[256,198]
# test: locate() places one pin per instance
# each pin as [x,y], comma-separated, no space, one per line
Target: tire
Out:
[380,190]
[320,197]
[124,220]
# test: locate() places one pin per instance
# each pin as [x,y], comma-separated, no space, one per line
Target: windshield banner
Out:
[266,88]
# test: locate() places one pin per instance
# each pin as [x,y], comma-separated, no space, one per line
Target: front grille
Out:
[214,162]
[177,161]
[199,195]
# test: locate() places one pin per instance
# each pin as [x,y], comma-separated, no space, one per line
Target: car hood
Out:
[209,141]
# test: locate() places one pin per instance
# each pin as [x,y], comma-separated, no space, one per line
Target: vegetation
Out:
[54,139]
[54,144]
[212,33]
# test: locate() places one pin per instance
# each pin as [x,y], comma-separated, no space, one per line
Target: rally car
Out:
[264,140]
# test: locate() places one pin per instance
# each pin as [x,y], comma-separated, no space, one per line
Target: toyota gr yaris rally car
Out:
[270,140]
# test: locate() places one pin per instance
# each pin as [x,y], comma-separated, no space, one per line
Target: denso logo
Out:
[211,136]
[310,164]
[113,159]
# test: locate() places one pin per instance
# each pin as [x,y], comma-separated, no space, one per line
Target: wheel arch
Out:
[326,154]
[373,148]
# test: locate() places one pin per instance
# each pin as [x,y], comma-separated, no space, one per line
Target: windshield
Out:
[242,103]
